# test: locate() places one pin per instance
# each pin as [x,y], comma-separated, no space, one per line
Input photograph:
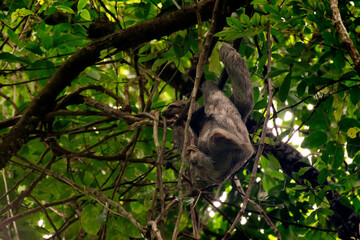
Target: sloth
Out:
[173,112]
[243,95]
[219,144]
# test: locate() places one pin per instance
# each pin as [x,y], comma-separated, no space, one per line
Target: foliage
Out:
[101,164]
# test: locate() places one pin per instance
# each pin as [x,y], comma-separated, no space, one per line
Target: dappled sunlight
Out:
[243,220]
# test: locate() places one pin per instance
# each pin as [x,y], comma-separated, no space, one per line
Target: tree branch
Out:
[344,35]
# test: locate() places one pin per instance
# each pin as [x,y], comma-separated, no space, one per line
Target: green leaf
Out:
[260,104]
[137,207]
[13,37]
[348,75]
[85,14]
[339,62]
[8,57]
[338,107]
[45,69]
[214,61]
[346,123]
[89,219]
[115,230]
[245,20]
[315,140]
[303,170]
[73,230]
[268,182]
[274,161]
[81,4]
[310,219]
[47,41]
[271,9]
[259,2]
[352,132]
[355,95]
[65,9]
[301,88]
[22,12]
[274,73]
[147,58]
[326,211]
[34,47]
[322,176]
[256,19]
[128,228]
[299,187]
[45,36]
[276,175]
[234,23]
[285,87]
[338,157]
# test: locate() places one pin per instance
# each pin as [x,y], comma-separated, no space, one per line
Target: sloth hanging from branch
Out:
[219,144]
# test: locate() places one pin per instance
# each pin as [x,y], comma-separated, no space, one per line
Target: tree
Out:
[86,154]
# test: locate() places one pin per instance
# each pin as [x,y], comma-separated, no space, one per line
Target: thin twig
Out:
[26,192]
[153,225]
[11,214]
[159,181]
[35,210]
[47,216]
[10,101]
[258,207]
[194,219]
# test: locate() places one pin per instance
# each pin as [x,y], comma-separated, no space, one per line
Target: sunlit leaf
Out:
[85,14]
[66,9]
[81,4]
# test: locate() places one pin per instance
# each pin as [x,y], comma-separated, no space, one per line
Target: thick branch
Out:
[344,35]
